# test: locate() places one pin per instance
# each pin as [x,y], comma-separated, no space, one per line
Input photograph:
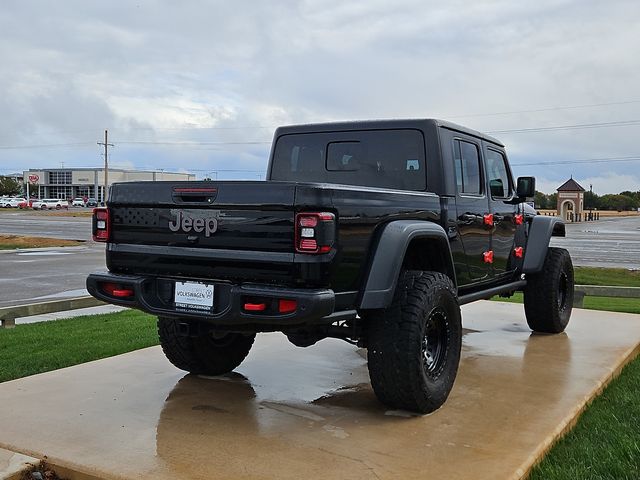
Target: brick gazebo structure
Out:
[570,201]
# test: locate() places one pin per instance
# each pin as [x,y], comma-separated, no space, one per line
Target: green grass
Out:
[40,347]
[625,305]
[605,443]
[607,276]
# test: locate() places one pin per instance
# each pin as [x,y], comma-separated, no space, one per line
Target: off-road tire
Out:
[204,354]
[548,295]
[414,344]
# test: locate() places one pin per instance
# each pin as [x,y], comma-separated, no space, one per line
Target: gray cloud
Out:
[158,70]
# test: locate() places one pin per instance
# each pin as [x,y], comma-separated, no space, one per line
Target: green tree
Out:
[618,202]
[8,186]
[591,200]
[540,200]
[552,201]
[634,195]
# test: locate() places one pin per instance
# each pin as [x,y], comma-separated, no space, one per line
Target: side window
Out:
[467,163]
[499,178]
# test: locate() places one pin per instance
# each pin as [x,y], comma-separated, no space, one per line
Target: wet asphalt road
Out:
[27,276]
[611,242]
[44,224]
[52,273]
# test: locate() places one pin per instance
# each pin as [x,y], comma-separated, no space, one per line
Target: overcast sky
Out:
[220,76]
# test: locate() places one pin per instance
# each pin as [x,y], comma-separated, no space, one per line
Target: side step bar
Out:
[486,294]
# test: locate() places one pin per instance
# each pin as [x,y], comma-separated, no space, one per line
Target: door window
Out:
[499,179]
[468,172]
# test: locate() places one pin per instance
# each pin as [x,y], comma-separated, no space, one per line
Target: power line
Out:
[50,145]
[634,158]
[623,123]
[182,144]
[546,109]
[242,127]
[225,170]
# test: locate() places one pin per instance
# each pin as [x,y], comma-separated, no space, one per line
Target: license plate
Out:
[194,296]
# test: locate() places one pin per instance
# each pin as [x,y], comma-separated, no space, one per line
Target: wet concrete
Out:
[291,413]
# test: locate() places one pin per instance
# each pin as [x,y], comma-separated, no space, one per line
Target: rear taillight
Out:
[315,232]
[101,224]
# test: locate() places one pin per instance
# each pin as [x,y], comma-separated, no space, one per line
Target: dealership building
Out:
[89,182]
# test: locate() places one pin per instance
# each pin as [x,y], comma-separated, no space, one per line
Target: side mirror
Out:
[526,187]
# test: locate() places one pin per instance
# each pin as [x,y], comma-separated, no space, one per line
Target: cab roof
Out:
[420,124]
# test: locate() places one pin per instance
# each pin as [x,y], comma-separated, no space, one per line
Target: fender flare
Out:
[381,280]
[540,232]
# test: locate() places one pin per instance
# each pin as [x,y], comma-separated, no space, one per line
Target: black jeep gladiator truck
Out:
[373,232]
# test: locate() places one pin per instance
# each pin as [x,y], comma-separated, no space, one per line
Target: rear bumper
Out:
[154,295]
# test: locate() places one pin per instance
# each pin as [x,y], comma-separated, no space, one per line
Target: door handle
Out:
[468,218]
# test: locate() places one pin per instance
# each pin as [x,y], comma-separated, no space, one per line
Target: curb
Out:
[13,465]
[567,424]
[46,249]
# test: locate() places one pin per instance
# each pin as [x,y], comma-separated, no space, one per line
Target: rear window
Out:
[375,158]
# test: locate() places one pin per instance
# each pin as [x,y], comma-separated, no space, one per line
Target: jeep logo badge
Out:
[197,225]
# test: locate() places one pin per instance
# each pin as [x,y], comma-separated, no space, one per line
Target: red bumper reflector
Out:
[287,306]
[255,307]
[115,290]
[488,219]
[518,219]
[487,257]
[122,293]
[518,252]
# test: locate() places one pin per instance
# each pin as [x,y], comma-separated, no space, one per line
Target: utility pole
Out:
[106,165]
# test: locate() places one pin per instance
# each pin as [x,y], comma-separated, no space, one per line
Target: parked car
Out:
[26,203]
[77,202]
[92,202]
[49,204]
[12,202]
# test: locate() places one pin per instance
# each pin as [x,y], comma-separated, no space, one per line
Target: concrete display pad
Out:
[310,413]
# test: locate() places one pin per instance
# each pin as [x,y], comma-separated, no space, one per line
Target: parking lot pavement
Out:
[611,242]
[288,412]
[43,225]
[47,273]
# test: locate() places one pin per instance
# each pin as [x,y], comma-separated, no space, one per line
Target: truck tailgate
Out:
[203,229]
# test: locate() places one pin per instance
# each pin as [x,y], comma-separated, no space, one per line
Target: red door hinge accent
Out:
[488,219]
[518,219]
[488,256]
[518,252]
